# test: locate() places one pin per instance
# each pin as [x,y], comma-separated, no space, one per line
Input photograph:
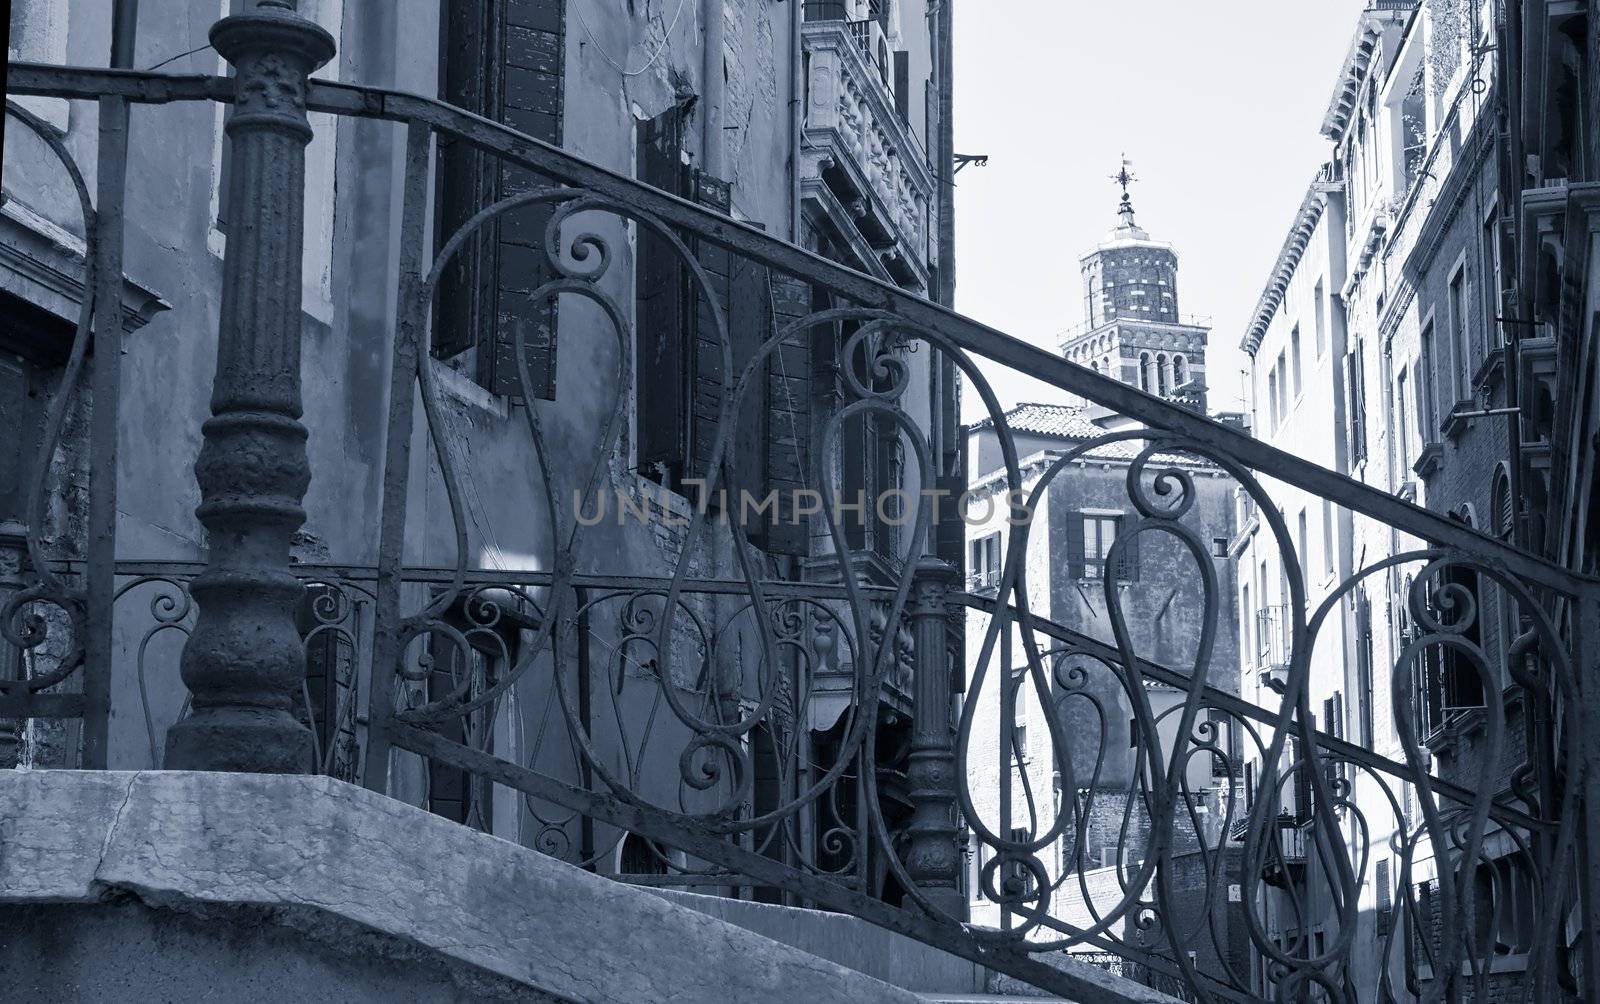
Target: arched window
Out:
[1180,370]
[1144,371]
[1163,374]
[641,856]
[1094,364]
[1502,511]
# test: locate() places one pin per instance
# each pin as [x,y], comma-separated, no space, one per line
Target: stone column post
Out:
[933,859]
[244,662]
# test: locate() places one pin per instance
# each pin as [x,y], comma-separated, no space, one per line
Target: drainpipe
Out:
[946,165]
[796,58]
[124,28]
[712,86]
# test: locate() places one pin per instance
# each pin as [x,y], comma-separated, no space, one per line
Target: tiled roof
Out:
[1052,420]
[1070,423]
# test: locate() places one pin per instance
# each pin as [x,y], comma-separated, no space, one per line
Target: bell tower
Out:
[1132,330]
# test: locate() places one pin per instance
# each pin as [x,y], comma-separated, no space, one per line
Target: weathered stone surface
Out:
[849,941]
[327,859]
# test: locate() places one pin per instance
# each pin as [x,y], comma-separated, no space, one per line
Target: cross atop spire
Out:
[1125,177]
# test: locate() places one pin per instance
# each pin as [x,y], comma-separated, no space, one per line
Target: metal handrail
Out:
[744,239]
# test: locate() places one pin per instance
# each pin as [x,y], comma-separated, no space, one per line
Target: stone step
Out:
[992,999]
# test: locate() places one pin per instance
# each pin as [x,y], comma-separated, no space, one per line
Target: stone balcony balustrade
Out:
[863,169]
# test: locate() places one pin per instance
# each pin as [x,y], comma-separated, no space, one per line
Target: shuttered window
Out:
[1355,382]
[502,59]
[679,362]
[1090,548]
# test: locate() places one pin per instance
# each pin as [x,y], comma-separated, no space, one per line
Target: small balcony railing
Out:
[1273,649]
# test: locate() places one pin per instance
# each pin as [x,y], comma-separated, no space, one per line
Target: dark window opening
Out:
[502,60]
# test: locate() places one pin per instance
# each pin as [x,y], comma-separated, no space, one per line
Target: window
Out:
[1402,437]
[1180,370]
[1460,351]
[1163,374]
[477,656]
[1426,401]
[984,562]
[1294,352]
[1090,551]
[1450,677]
[325,619]
[1490,251]
[1281,405]
[1221,737]
[1502,907]
[678,364]
[1144,371]
[1364,695]
[1327,537]
[1018,879]
[639,855]
[1385,897]
[1020,749]
[1320,318]
[1248,640]
[483,304]
[1302,766]
[1300,542]
[1272,399]
[1355,377]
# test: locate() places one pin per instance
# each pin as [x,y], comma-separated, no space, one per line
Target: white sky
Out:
[1218,105]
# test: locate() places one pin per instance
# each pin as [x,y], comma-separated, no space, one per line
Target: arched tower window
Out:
[1180,370]
[1163,374]
[1144,371]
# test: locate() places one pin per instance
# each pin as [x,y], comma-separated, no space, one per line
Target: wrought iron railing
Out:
[478,677]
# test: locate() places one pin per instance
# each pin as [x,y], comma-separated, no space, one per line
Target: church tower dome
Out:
[1132,330]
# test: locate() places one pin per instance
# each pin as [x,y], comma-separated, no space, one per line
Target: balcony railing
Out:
[1273,648]
[725,668]
[862,163]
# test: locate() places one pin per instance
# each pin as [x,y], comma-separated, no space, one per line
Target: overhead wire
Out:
[665,40]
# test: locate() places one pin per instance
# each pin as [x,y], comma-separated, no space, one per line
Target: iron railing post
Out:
[933,860]
[1585,628]
[13,559]
[245,660]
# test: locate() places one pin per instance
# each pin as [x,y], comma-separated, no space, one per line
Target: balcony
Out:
[1273,651]
[865,178]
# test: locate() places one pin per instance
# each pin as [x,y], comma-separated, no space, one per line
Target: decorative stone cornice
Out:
[1294,247]
[43,264]
[1358,61]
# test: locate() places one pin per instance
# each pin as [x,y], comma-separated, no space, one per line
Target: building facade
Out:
[789,117]
[1412,261]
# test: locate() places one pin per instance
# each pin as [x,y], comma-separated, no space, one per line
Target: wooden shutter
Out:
[1075,530]
[531,47]
[661,313]
[902,85]
[788,443]
[706,362]
[1385,897]
[749,325]
[1302,780]
[504,60]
